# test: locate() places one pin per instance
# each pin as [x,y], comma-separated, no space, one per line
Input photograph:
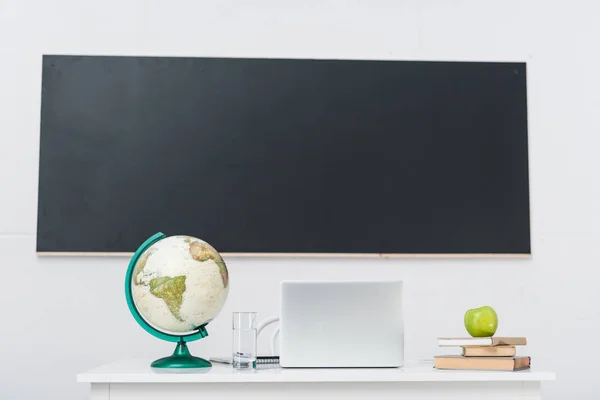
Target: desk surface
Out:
[139,371]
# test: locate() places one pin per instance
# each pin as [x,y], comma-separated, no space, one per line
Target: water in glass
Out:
[244,345]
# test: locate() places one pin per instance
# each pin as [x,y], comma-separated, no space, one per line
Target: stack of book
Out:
[489,354]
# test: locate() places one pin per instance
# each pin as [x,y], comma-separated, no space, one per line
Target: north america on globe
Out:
[179,284]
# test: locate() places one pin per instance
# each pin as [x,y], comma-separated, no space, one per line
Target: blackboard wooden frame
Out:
[296,255]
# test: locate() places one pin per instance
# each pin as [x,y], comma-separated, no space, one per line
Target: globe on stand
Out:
[174,287]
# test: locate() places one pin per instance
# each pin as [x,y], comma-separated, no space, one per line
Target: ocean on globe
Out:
[179,284]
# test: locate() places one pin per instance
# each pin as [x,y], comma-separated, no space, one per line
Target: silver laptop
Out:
[341,324]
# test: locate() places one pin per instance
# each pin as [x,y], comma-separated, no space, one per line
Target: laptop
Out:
[341,324]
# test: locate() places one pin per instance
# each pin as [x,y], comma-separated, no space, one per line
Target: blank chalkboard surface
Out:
[284,155]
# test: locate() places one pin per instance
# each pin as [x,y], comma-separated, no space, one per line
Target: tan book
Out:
[489,351]
[482,341]
[482,363]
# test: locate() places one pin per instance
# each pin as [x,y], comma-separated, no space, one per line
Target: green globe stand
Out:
[182,358]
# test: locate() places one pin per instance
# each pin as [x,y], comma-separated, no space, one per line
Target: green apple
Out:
[481,322]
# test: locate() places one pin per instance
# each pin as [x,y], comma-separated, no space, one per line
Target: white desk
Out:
[129,380]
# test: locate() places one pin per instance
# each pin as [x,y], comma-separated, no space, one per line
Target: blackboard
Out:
[284,155]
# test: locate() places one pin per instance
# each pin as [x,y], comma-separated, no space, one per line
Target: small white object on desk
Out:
[134,379]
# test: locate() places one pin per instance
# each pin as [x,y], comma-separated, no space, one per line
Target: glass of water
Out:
[244,340]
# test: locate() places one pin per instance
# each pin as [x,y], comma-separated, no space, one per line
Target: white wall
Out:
[62,316]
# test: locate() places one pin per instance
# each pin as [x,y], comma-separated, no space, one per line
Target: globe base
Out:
[181,358]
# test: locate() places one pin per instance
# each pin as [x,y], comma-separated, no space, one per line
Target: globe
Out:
[174,287]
